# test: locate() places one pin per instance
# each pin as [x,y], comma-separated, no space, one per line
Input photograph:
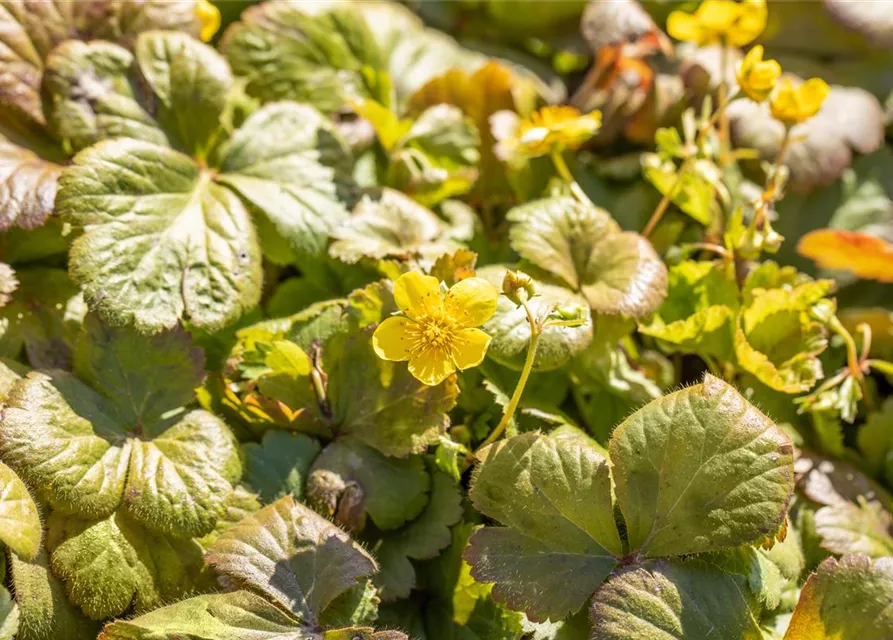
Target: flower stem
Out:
[881,365]
[852,354]
[782,147]
[535,332]
[722,97]
[568,177]
[664,203]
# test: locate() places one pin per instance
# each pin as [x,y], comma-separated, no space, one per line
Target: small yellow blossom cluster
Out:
[554,128]
[208,18]
[738,24]
[734,23]
[436,329]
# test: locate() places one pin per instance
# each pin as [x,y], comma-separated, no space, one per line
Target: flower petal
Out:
[684,26]
[390,339]
[417,294]
[471,302]
[470,347]
[431,367]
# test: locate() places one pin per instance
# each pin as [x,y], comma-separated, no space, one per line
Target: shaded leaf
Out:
[559,541]
[380,403]
[670,600]
[293,556]
[350,480]
[421,539]
[735,489]
[29,185]
[279,464]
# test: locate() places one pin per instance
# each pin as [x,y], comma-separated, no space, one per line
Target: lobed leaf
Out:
[20,527]
[700,470]
[279,464]
[559,541]
[292,556]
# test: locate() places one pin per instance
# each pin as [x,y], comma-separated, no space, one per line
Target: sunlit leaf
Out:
[865,256]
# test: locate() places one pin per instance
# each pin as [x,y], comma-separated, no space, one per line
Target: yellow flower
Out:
[794,105]
[757,77]
[546,130]
[436,332]
[208,18]
[739,23]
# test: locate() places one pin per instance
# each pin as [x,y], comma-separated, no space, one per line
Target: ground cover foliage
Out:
[546,320]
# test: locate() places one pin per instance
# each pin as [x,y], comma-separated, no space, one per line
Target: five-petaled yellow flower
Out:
[436,330]
[793,105]
[738,23]
[208,18]
[757,77]
[549,129]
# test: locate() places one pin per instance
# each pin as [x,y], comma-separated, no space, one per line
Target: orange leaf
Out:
[867,257]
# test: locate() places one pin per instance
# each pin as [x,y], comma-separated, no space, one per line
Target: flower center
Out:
[433,332]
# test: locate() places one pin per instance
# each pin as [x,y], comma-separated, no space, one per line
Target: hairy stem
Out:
[535,331]
[568,177]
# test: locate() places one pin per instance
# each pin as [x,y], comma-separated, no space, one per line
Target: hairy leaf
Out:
[239,615]
[28,185]
[700,470]
[20,527]
[667,600]
[109,565]
[847,599]
[293,556]
[559,541]
[847,528]
[162,240]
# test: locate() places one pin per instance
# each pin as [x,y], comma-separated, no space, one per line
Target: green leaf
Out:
[42,318]
[293,52]
[93,94]
[356,606]
[350,480]
[163,242]
[44,610]
[692,193]
[388,224]
[179,481]
[379,402]
[700,470]
[763,576]
[778,341]
[617,272]
[240,503]
[421,539]
[60,436]
[9,615]
[510,328]
[190,81]
[664,600]
[288,162]
[109,565]
[66,440]
[559,541]
[698,314]
[143,376]
[293,556]
[855,528]
[847,599]
[20,527]
[875,439]
[239,615]
[279,464]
